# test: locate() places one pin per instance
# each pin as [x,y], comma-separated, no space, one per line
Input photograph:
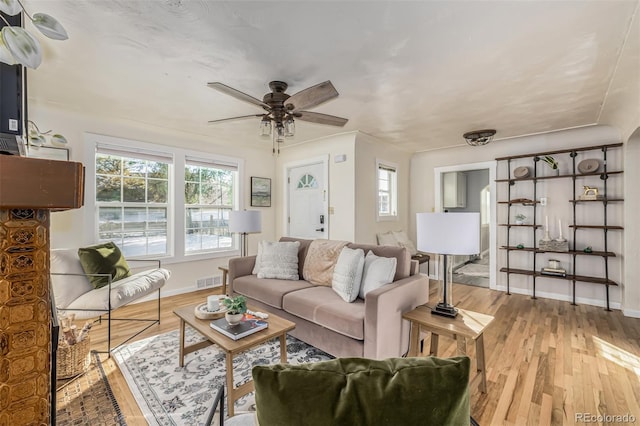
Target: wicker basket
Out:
[72,360]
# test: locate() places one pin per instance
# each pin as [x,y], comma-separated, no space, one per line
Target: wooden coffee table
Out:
[278,327]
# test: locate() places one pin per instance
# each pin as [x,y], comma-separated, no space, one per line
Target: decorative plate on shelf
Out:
[203,313]
[590,165]
[521,172]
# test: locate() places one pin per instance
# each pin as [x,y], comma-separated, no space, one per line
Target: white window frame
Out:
[392,191]
[176,212]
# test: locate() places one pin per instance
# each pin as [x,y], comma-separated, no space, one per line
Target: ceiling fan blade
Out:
[311,96]
[234,118]
[237,94]
[316,117]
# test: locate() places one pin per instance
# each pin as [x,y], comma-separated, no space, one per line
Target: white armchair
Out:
[73,293]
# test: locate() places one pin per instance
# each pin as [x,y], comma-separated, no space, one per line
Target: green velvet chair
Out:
[358,391]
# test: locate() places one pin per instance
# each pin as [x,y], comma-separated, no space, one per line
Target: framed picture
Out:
[260,192]
[48,152]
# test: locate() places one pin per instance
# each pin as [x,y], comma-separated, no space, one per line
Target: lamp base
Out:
[445,310]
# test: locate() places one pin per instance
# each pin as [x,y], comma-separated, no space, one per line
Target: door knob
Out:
[320,229]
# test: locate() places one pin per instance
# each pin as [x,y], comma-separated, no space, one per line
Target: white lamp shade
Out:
[245,221]
[448,233]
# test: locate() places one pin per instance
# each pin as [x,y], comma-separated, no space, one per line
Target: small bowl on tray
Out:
[202,312]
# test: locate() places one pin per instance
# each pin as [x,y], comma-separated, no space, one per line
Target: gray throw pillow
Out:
[279,260]
[347,275]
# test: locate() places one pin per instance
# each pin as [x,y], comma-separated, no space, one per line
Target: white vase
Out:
[233,319]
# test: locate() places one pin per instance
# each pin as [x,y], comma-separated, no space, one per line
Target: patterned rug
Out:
[88,399]
[172,395]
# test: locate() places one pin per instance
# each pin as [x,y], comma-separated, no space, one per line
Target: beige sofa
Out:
[371,328]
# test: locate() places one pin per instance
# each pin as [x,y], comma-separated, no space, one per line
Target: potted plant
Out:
[520,218]
[236,307]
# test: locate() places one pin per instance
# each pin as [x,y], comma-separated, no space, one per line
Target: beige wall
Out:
[631,296]
[368,151]
[341,182]
[66,227]
[422,199]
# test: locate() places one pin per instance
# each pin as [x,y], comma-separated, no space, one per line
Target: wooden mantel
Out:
[29,189]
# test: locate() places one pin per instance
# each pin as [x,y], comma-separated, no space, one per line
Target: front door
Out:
[308,201]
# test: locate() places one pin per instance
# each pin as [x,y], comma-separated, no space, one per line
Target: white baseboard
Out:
[563,297]
[632,313]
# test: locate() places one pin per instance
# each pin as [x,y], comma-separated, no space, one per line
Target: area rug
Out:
[474,270]
[88,399]
[172,395]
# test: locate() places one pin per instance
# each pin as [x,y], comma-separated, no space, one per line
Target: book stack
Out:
[240,330]
[559,272]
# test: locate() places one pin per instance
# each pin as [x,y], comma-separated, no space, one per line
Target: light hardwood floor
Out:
[547,361]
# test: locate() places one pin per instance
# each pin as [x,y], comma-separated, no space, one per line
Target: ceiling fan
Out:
[281,108]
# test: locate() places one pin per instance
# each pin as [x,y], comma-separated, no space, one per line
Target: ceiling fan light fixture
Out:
[289,127]
[265,126]
[479,137]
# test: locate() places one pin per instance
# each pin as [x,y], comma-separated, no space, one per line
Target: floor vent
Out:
[206,282]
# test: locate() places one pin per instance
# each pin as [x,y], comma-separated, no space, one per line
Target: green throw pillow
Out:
[103,259]
[358,391]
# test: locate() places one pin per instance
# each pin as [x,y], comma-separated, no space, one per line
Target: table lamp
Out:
[244,222]
[448,234]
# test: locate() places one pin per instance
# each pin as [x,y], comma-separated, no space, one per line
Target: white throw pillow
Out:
[387,239]
[279,260]
[347,274]
[405,242]
[256,266]
[378,271]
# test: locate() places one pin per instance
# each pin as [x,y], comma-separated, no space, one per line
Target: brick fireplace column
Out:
[29,190]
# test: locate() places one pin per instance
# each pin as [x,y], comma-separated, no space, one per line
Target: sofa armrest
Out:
[386,334]
[240,267]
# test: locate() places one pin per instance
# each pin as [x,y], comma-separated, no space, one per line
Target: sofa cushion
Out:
[359,391]
[302,251]
[105,258]
[387,239]
[324,307]
[67,288]
[277,260]
[403,266]
[267,290]
[122,292]
[347,275]
[321,259]
[377,272]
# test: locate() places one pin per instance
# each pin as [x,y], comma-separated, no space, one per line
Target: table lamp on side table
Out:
[245,222]
[448,234]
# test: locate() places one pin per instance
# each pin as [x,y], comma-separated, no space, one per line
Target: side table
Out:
[467,324]
[225,271]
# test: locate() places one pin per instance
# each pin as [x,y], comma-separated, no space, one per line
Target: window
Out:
[132,200]
[209,195]
[159,201]
[387,179]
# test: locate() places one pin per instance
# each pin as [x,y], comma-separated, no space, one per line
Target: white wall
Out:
[66,227]
[341,182]
[423,200]
[368,150]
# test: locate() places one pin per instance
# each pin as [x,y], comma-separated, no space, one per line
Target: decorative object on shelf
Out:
[236,307]
[521,172]
[590,165]
[551,162]
[523,201]
[448,234]
[588,249]
[260,192]
[245,222]
[590,193]
[17,45]
[202,312]
[479,137]
[554,268]
[38,138]
[546,229]
[520,218]
[560,237]
[520,246]
[553,245]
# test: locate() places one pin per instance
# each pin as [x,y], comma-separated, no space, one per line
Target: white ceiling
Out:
[415,74]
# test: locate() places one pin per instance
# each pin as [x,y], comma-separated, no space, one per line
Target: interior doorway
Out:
[471,188]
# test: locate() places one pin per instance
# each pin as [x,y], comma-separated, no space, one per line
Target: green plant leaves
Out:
[23,46]
[57,139]
[10,7]
[5,54]
[49,26]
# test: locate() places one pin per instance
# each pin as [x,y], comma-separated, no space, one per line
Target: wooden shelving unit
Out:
[576,202]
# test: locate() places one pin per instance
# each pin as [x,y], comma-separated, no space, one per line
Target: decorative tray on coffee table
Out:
[202,312]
